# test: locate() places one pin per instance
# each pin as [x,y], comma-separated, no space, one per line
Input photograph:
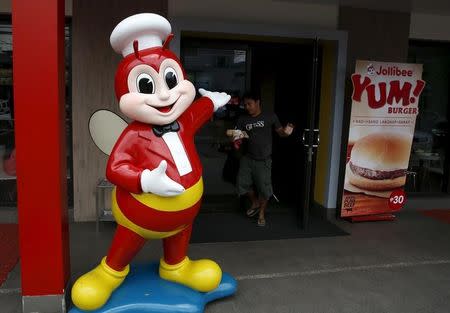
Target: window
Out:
[217,65]
[430,150]
[8,194]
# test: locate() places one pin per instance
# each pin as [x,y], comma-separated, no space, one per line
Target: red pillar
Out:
[40,135]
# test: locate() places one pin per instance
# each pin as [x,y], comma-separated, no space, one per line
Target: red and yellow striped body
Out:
[147,215]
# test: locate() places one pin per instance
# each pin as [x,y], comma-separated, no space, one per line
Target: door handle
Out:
[316,138]
[304,137]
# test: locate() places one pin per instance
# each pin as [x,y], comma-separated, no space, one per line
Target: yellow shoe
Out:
[93,289]
[201,275]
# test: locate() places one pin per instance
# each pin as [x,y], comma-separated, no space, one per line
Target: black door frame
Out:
[310,141]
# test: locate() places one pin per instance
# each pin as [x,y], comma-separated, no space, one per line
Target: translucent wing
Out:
[105,128]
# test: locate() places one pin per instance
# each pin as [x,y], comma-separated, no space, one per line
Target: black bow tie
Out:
[161,130]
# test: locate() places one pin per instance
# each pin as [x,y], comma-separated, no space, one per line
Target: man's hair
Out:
[252,94]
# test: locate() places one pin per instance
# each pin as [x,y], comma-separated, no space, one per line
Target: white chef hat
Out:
[149,29]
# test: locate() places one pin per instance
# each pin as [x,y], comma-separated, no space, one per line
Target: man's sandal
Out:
[253,212]
[261,222]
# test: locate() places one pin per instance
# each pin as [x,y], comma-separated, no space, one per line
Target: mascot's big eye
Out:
[171,77]
[145,83]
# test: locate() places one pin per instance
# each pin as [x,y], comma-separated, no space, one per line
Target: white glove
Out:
[157,182]
[219,99]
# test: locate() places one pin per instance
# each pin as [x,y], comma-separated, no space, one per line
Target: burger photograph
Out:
[379,161]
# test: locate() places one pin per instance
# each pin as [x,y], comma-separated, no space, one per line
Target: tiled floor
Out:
[382,267]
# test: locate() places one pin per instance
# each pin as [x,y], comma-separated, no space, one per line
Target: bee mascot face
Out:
[151,86]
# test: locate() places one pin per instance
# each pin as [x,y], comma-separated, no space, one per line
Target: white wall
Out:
[430,26]
[5,6]
[257,11]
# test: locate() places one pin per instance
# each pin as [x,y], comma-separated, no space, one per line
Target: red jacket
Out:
[138,148]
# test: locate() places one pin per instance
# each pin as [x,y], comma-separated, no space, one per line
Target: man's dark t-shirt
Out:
[259,130]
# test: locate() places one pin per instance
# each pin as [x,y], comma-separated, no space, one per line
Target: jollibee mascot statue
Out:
[153,164]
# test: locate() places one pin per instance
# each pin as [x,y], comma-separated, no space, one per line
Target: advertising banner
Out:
[384,109]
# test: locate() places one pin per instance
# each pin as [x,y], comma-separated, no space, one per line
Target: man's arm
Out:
[282,131]
[285,131]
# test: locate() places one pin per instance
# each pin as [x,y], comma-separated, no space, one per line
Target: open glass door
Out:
[310,139]
[218,65]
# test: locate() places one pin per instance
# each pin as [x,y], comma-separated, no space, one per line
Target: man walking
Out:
[255,171]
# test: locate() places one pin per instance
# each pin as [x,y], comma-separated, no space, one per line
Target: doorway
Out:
[283,70]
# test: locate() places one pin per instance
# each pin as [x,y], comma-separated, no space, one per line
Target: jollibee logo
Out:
[371,69]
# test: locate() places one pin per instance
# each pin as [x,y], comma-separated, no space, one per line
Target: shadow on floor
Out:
[235,226]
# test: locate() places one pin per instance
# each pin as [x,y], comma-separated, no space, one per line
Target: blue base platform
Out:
[143,291]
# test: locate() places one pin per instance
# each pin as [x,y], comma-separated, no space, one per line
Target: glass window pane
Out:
[217,65]
[7,155]
[8,186]
[430,144]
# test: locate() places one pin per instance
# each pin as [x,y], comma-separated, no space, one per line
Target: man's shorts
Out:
[255,174]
